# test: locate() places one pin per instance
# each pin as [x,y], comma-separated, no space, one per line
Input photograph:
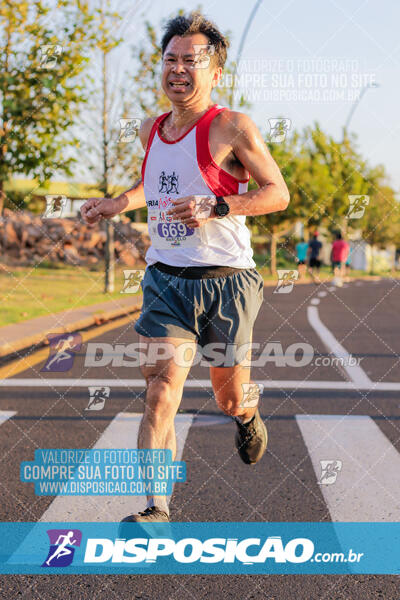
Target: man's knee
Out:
[236,400]
[163,396]
[157,378]
[231,405]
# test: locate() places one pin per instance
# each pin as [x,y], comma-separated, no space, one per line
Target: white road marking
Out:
[208,420]
[315,301]
[322,294]
[204,384]
[121,433]
[5,415]
[367,486]
[356,374]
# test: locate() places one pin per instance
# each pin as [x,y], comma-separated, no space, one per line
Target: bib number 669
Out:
[173,230]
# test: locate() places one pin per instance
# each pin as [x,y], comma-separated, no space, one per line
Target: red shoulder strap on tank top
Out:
[218,180]
[150,140]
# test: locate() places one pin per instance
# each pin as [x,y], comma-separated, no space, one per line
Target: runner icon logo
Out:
[128,129]
[54,206]
[168,184]
[329,471]
[97,397]
[133,277]
[278,129]
[203,53]
[251,394]
[63,347]
[49,54]
[357,205]
[61,551]
[286,280]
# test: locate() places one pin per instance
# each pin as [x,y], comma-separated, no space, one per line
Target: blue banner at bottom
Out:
[200,548]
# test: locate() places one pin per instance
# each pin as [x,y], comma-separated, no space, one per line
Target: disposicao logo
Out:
[62,351]
[62,547]
[190,550]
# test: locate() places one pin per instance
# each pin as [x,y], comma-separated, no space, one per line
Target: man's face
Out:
[188,70]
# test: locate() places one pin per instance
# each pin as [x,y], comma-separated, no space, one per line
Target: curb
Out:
[37,339]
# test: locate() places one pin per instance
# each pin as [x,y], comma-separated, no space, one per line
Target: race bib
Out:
[172,234]
[166,233]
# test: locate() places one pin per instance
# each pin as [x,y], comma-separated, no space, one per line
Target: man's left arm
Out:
[251,150]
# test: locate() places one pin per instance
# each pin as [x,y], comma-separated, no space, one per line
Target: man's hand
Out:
[193,211]
[96,209]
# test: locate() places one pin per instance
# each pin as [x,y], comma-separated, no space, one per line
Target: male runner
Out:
[200,283]
[314,248]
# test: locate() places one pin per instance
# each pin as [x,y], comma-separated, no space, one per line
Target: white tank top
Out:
[185,167]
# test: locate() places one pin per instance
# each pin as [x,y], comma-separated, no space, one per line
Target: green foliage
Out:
[321,173]
[380,224]
[38,104]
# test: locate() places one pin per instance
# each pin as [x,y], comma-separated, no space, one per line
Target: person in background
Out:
[339,254]
[301,256]
[348,264]
[314,249]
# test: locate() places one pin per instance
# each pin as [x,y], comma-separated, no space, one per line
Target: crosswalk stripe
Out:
[5,415]
[354,372]
[121,433]
[367,486]
[307,384]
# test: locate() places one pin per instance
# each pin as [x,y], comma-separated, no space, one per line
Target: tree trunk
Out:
[345,223]
[109,274]
[273,245]
[109,258]
[2,196]
[371,271]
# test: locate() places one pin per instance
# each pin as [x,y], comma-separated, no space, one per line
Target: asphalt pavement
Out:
[315,408]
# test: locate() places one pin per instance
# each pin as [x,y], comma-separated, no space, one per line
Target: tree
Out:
[292,158]
[109,160]
[380,224]
[321,174]
[41,92]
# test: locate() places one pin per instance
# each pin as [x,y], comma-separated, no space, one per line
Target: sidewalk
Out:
[19,336]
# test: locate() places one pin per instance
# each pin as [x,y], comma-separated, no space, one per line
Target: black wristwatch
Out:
[221,209]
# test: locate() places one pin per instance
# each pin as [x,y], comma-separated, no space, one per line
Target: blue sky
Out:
[300,42]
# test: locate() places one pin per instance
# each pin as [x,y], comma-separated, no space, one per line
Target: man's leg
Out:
[318,268]
[228,390]
[337,274]
[227,382]
[164,387]
[302,270]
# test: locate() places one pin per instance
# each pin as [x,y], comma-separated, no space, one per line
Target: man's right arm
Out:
[96,209]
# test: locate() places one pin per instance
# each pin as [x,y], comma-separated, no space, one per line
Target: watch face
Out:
[221,210]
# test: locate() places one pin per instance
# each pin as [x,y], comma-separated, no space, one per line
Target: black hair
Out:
[195,22]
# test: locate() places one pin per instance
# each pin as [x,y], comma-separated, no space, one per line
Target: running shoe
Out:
[251,439]
[150,515]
